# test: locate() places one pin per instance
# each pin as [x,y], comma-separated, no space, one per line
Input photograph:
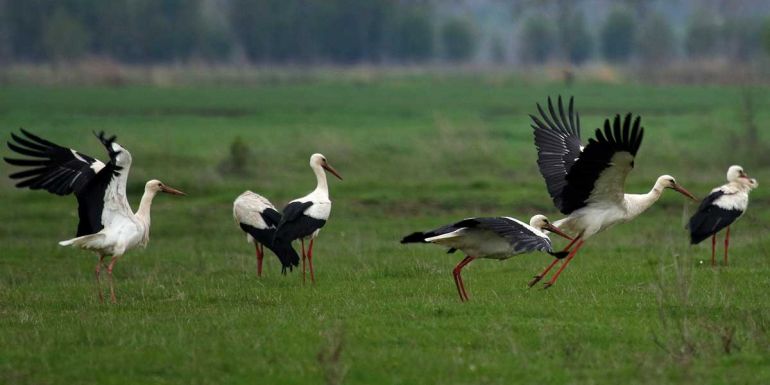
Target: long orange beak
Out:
[556,230]
[331,169]
[684,192]
[171,190]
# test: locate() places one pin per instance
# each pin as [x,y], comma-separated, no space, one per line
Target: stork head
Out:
[736,174]
[318,160]
[541,223]
[156,186]
[668,181]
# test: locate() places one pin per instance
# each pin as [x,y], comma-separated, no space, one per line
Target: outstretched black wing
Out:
[710,218]
[557,138]
[295,224]
[64,171]
[521,237]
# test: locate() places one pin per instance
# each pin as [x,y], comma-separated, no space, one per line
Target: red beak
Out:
[684,192]
[331,169]
[556,230]
[171,190]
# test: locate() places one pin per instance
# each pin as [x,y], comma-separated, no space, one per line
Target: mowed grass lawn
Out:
[635,306]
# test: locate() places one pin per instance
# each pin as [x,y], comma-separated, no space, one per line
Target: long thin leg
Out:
[260,256]
[303,260]
[98,282]
[459,278]
[547,269]
[310,260]
[569,258]
[727,243]
[112,283]
[713,249]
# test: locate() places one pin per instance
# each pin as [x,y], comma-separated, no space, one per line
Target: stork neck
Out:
[322,187]
[143,213]
[638,203]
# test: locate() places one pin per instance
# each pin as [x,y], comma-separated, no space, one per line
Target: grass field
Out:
[636,306]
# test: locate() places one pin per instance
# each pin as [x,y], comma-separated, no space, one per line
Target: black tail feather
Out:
[559,254]
[286,254]
[418,237]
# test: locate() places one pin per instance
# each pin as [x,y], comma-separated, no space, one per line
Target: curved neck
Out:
[638,203]
[143,213]
[322,187]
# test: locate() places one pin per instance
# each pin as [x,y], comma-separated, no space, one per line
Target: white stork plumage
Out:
[587,183]
[304,217]
[107,224]
[721,208]
[258,218]
[491,238]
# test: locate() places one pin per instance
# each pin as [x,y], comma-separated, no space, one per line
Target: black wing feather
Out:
[710,218]
[520,237]
[295,224]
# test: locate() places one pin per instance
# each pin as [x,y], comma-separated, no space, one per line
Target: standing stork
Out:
[258,218]
[587,183]
[107,225]
[723,206]
[304,217]
[491,238]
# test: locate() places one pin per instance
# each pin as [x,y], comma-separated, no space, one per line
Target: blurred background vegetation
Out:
[677,40]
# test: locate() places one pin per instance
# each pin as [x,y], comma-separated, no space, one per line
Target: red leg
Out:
[564,265]
[713,249]
[98,282]
[459,278]
[112,283]
[727,243]
[310,260]
[303,260]
[547,269]
[260,256]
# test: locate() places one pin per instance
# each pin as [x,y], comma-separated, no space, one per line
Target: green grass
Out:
[635,306]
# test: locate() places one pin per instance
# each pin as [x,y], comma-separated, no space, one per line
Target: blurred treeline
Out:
[383,31]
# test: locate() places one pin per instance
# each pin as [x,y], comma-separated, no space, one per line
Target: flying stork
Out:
[587,183]
[258,218]
[491,238]
[304,217]
[107,225]
[723,206]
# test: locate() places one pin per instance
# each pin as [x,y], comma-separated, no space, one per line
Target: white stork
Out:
[107,225]
[491,238]
[587,183]
[723,206]
[258,218]
[304,217]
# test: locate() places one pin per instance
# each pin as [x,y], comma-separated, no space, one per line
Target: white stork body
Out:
[259,219]
[107,225]
[304,217]
[490,238]
[721,208]
[587,183]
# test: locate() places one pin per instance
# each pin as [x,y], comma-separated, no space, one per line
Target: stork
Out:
[258,218]
[107,225]
[721,208]
[304,217]
[491,238]
[587,183]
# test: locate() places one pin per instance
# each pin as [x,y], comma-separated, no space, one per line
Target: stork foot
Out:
[547,285]
[535,280]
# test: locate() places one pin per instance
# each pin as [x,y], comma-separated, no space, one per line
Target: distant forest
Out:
[344,32]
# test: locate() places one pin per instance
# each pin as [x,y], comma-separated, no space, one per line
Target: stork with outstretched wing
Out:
[107,224]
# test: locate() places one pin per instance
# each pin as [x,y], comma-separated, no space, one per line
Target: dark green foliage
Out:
[575,39]
[618,36]
[537,40]
[702,39]
[238,159]
[64,37]
[458,37]
[742,38]
[412,38]
[656,43]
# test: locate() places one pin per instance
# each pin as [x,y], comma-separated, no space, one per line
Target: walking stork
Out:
[107,225]
[587,183]
[258,218]
[491,238]
[721,208]
[304,217]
